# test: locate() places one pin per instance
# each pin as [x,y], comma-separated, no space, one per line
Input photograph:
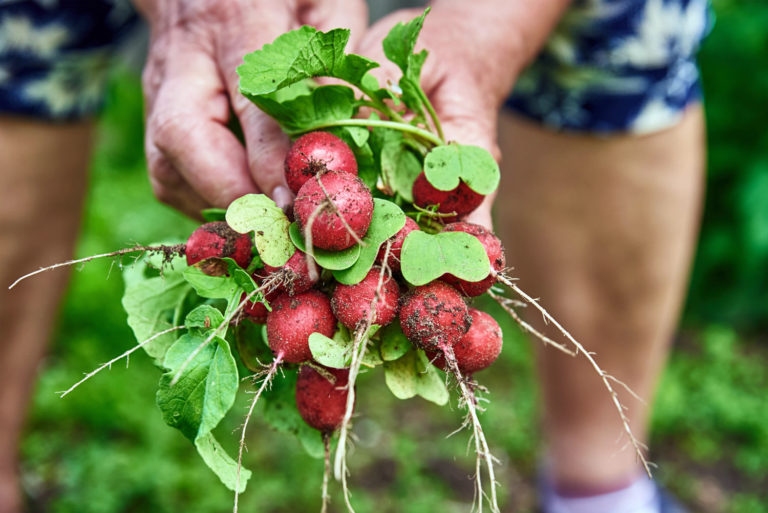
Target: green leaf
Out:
[154,304]
[211,215]
[321,106]
[401,40]
[394,343]
[221,463]
[212,287]
[259,214]
[336,352]
[399,166]
[412,375]
[244,280]
[251,345]
[297,55]
[426,257]
[204,317]
[332,260]
[372,356]
[280,412]
[331,352]
[357,134]
[398,47]
[206,389]
[445,165]
[387,220]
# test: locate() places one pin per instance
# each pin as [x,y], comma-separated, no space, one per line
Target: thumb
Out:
[265,143]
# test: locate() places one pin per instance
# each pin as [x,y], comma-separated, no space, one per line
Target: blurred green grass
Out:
[105,449]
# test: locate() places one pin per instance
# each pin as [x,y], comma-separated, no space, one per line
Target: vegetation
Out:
[105,448]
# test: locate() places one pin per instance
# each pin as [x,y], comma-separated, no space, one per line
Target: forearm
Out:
[499,36]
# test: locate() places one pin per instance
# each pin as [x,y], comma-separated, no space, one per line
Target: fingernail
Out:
[282,196]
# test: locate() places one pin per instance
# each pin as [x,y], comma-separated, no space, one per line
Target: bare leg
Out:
[42,182]
[602,230]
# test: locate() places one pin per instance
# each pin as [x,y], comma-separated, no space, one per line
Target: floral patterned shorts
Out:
[610,65]
[55,54]
[616,66]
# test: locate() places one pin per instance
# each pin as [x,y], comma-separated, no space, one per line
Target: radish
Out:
[322,399]
[494,250]
[351,304]
[293,319]
[257,312]
[396,245]
[218,240]
[335,208]
[316,152]
[434,316]
[477,349]
[461,201]
[293,277]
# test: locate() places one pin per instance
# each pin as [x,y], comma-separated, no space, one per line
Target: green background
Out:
[105,448]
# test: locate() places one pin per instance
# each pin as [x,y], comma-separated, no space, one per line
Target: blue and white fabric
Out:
[616,66]
[55,54]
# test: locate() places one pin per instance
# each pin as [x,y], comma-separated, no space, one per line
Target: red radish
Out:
[351,304]
[321,402]
[477,349]
[326,197]
[493,249]
[462,200]
[257,312]
[295,277]
[397,245]
[218,240]
[434,316]
[315,152]
[293,319]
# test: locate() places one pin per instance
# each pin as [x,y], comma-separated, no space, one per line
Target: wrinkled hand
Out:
[191,87]
[462,77]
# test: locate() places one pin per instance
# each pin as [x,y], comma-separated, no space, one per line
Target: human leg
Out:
[42,181]
[602,230]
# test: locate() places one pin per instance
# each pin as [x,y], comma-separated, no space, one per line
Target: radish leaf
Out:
[154,304]
[412,375]
[394,343]
[387,220]
[333,260]
[257,213]
[445,165]
[299,54]
[426,257]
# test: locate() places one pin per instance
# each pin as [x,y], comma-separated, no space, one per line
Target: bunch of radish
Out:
[373,267]
[308,311]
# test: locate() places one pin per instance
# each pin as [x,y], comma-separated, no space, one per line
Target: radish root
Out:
[268,375]
[604,376]
[326,471]
[168,252]
[117,358]
[469,400]
[359,345]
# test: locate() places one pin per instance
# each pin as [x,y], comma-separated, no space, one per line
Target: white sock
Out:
[639,497]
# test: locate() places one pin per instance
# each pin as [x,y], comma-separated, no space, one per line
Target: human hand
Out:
[476,50]
[191,89]
[465,94]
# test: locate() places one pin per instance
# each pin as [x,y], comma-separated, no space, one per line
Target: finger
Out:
[187,126]
[170,188]
[330,14]
[266,144]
